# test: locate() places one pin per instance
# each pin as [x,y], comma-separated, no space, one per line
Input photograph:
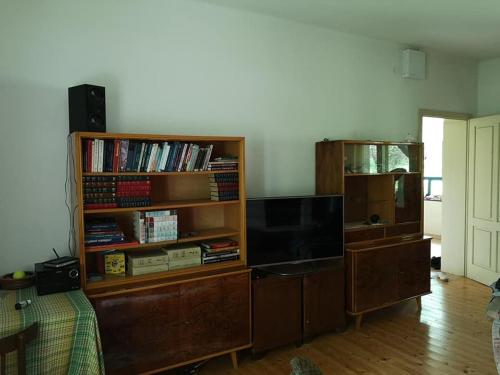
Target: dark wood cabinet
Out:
[277,311]
[292,309]
[386,272]
[160,327]
[323,302]
[387,258]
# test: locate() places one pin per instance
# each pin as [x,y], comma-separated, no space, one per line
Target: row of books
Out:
[103,231]
[155,226]
[167,259]
[224,186]
[219,250]
[223,163]
[116,191]
[115,155]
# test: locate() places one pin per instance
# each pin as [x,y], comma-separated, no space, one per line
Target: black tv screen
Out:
[294,229]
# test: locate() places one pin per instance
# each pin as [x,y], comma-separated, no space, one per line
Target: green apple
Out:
[19,275]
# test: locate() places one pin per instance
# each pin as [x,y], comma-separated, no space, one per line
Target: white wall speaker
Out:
[413,64]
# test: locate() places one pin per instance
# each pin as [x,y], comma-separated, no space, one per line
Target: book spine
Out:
[170,156]
[152,156]
[207,157]
[164,156]
[101,155]
[123,154]
[116,155]
[181,157]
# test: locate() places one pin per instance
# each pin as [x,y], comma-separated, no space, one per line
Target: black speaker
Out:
[87,108]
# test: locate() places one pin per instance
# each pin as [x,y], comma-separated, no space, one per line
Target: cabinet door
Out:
[375,278]
[160,327]
[323,302]
[414,269]
[216,315]
[277,307]
[140,330]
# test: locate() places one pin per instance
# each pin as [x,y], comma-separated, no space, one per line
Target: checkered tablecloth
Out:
[68,341]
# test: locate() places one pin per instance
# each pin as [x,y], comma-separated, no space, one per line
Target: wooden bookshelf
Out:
[199,218]
[186,192]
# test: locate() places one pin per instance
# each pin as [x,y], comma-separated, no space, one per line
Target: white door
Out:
[483,222]
[454,196]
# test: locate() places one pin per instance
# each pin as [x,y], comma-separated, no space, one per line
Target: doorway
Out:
[444,136]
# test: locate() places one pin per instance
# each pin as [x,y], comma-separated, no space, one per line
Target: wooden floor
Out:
[452,335]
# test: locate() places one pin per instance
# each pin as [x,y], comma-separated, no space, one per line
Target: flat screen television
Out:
[294,229]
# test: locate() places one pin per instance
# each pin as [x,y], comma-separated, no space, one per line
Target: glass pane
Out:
[425,187]
[398,158]
[437,187]
[361,158]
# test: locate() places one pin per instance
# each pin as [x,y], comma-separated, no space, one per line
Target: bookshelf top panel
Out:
[368,142]
[158,137]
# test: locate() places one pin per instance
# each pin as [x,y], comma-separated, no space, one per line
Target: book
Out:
[116,155]
[219,243]
[181,158]
[123,154]
[164,157]
[152,155]
[171,156]
[207,157]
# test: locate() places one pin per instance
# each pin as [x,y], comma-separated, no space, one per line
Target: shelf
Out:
[157,173]
[164,206]
[115,280]
[362,225]
[379,174]
[205,234]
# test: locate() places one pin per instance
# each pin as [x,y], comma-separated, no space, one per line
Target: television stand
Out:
[293,303]
[299,268]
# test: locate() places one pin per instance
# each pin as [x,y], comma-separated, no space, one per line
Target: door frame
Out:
[451,116]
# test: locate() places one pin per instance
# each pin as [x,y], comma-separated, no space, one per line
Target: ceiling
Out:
[468,28]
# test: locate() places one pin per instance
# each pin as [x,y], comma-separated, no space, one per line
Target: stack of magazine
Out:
[220,250]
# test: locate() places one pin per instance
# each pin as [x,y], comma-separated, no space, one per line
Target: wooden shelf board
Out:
[158,137]
[368,142]
[115,280]
[379,174]
[158,173]
[164,206]
[361,225]
[208,234]
[205,234]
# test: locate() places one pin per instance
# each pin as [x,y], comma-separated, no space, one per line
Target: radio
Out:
[50,279]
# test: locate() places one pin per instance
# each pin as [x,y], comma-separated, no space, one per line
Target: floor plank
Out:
[451,335]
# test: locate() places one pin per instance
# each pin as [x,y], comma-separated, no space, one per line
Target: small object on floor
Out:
[436,263]
[304,366]
[443,277]
[192,369]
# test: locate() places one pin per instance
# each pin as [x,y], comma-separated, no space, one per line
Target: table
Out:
[68,341]
[493,311]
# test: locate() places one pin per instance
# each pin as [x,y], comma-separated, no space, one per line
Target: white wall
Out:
[432,217]
[488,87]
[185,67]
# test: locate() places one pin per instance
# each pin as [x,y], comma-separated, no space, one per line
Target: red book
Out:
[89,156]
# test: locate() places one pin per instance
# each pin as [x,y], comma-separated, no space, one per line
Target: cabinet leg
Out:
[359,319]
[234,359]
[419,303]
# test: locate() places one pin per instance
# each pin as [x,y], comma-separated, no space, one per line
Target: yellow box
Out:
[114,263]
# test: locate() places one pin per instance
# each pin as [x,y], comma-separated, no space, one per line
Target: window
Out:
[432,136]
